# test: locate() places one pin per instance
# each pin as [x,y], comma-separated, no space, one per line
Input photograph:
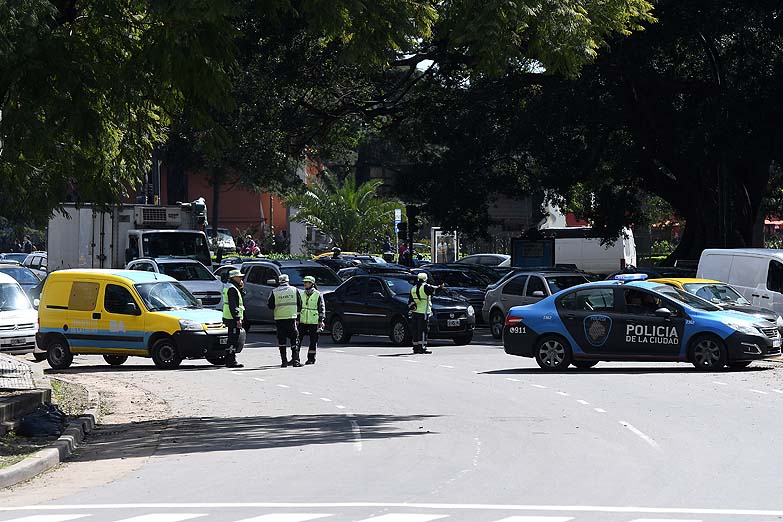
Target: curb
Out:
[59,450]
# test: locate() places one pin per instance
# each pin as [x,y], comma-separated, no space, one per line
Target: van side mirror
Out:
[539,293]
[663,312]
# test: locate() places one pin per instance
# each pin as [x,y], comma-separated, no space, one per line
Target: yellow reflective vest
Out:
[422,300]
[285,302]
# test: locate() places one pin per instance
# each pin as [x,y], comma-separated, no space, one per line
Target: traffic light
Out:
[402,229]
[413,225]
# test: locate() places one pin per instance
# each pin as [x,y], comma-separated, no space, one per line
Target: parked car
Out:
[486,260]
[19,257]
[521,289]
[125,313]
[261,279]
[378,305]
[38,263]
[656,272]
[372,268]
[194,276]
[18,319]
[635,321]
[722,295]
[461,281]
[22,275]
[223,240]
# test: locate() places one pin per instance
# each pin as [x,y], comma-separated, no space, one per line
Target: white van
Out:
[757,273]
[573,246]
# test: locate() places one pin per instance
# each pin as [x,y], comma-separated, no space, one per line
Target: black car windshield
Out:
[686,298]
[399,285]
[22,275]
[716,293]
[186,271]
[557,283]
[12,298]
[323,276]
[165,295]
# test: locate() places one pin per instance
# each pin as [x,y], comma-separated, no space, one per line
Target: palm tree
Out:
[352,216]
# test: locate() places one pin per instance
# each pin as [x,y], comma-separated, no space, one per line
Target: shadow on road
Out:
[620,371]
[208,434]
[105,368]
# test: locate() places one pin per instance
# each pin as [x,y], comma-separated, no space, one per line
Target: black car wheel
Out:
[738,365]
[115,360]
[165,354]
[584,365]
[400,333]
[708,353]
[463,339]
[496,321]
[553,353]
[339,333]
[39,356]
[58,353]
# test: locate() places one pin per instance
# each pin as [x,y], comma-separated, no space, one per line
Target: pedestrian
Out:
[420,303]
[312,317]
[336,253]
[387,246]
[286,303]
[233,316]
[27,245]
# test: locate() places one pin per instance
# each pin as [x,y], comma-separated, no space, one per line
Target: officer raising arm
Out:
[286,303]
[420,302]
[312,317]
[233,315]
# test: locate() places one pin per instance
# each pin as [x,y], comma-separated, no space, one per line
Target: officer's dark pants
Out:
[419,331]
[286,331]
[310,330]
[236,341]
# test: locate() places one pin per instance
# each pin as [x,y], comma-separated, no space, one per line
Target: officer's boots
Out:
[284,364]
[295,357]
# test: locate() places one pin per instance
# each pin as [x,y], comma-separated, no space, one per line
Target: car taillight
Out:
[513,321]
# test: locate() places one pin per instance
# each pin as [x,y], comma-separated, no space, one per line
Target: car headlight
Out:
[779,322]
[186,325]
[741,328]
[471,310]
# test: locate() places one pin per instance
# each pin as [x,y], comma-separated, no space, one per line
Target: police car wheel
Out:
[708,353]
[738,365]
[553,353]
[165,354]
[584,365]
[339,333]
[58,353]
[115,360]
[400,333]
[496,321]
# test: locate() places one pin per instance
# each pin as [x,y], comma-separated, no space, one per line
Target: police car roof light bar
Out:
[630,277]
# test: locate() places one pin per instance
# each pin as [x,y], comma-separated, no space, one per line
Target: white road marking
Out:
[535,519]
[306,393]
[259,379]
[325,399]
[584,403]
[162,517]
[339,351]
[646,438]
[600,410]
[357,435]
[285,517]
[445,366]
[538,386]
[564,394]
[340,407]
[721,383]
[403,517]
[512,379]
[283,386]
[664,520]
[778,391]
[759,392]
[411,361]
[48,518]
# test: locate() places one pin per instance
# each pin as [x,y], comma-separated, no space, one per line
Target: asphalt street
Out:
[372,432]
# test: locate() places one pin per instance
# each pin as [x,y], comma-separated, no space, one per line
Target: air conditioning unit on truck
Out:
[89,236]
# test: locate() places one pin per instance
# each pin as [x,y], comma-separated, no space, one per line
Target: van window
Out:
[775,276]
[116,300]
[715,266]
[84,296]
[748,271]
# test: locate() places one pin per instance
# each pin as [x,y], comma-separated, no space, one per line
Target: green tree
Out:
[353,216]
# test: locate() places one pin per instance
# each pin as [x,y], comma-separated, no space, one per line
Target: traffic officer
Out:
[233,315]
[420,302]
[286,303]
[311,319]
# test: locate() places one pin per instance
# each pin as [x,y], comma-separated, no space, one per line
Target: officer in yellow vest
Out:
[311,319]
[286,303]
[233,315]
[420,302]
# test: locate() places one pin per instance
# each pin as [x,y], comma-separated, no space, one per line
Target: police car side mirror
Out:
[663,312]
[539,293]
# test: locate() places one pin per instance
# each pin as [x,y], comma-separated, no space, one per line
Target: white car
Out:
[194,276]
[486,260]
[18,318]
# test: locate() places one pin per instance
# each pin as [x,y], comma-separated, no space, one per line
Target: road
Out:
[469,433]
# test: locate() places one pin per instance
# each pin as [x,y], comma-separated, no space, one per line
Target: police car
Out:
[630,319]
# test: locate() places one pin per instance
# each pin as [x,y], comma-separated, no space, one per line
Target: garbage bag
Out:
[48,420]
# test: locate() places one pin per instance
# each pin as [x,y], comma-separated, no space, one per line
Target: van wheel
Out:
[58,353]
[165,354]
[39,356]
[339,334]
[553,353]
[115,360]
[496,321]
[400,333]
[708,353]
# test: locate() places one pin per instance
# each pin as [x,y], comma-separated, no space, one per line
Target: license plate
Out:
[17,340]
[452,322]
[224,340]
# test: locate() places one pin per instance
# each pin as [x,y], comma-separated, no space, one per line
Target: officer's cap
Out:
[308,279]
[235,273]
[422,276]
[282,278]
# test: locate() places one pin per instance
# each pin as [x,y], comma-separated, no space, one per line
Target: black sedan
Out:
[468,284]
[378,305]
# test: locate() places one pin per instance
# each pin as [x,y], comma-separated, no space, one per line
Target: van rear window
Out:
[84,296]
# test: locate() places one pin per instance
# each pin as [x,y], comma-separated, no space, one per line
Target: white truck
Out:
[94,237]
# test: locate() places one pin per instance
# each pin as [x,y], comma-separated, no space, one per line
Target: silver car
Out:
[521,289]
[194,276]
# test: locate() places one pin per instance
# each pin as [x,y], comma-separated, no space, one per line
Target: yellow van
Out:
[118,313]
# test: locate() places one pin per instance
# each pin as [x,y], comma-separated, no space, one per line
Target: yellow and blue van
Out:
[121,313]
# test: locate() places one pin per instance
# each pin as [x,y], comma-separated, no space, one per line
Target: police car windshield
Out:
[399,285]
[186,271]
[165,295]
[717,293]
[686,298]
[323,276]
[12,298]
[557,283]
